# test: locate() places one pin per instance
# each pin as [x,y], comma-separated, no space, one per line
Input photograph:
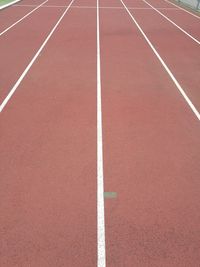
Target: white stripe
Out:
[56,6]
[183,9]
[189,102]
[7,29]
[194,39]
[109,7]
[160,8]
[101,254]
[9,4]
[102,7]
[5,101]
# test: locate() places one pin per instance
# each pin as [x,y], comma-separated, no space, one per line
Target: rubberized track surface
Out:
[49,143]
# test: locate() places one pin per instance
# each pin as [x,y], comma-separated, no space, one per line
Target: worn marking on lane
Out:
[28,14]
[172,22]
[12,91]
[101,251]
[110,194]
[187,99]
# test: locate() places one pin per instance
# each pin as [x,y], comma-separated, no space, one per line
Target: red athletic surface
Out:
[48,140]
[183,19]
[10,15]
[179,51]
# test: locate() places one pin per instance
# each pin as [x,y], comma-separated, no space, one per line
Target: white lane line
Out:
[28,14]
[101,251]
[64,6]
[9,4]
[189,102]
[172,22]
[118,7]
[102,7]
[74,6]
[160,8]
[5,101]
[198,17]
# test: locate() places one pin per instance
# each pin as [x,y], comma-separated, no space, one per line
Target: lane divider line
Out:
[101,251]
[198,17]
[28,14]
[56,6]
[172,22]
[12,91]
[102,7]
[187,99]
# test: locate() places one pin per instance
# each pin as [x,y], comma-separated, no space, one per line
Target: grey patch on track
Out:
[110,194]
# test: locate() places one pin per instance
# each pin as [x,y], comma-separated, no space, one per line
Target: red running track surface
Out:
[48,154]
[48,139]
[181,18]
[10,15]
[151,155]
[179,51]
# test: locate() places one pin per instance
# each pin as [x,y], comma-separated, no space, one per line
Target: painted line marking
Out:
[187,99]
[182,9]
[102,7]
[56,6]
[172,22]
[110,195]
[28,14]
[9,4]
[12,91]
[101,251]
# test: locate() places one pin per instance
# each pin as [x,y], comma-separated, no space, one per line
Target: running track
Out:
[88,106]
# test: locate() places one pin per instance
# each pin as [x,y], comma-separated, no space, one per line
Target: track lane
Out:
[10,15]
[110,3]
[57,3]
[185,64]
[85,3]
[137,4]
[194,14]
[151,155]
[29,2]
[148,145]
[183,19]
[22,18]
[48,154]
[26,37]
